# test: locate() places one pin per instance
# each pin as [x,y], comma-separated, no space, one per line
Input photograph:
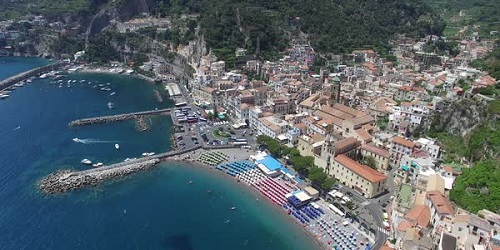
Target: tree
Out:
[328,183]
[317,175]
[370,162]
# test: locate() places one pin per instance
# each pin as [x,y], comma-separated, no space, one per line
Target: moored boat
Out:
[86,162]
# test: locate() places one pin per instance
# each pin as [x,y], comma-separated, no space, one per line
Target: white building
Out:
[272,126]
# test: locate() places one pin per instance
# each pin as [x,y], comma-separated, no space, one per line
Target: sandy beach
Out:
[238,155]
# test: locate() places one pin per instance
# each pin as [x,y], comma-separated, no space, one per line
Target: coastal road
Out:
[370,211]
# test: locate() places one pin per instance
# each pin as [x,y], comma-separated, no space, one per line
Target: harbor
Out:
[9,82]
[122,201]
[117,118]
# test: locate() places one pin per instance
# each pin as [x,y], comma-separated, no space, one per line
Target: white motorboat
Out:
[76,140]
[3,96]
[112,93]
[148,154]
[99,164]
[86,162]
[117,146]
[111,105]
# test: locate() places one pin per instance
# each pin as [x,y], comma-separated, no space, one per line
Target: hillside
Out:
[332,25]
[263,26]
[483,13]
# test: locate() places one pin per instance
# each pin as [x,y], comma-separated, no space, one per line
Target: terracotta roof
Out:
[348,110]
[363,134]
[376,150]
[386,248]
[347,142]
[361,120]
[403,141]
[301,126]
[419,215]
[440,202]
[208,90]
[362,170]
[404,225]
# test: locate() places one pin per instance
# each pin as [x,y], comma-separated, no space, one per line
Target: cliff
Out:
[459,117]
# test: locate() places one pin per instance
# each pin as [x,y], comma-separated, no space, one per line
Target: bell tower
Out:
[335,94]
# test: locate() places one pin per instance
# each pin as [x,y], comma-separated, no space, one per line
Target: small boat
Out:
[233,208]
[76,140]
[112,93]
[101,85]
[96,165]
[29,81]
[190,182]
[117,146]
[43,76]
[86,162]
[3,96]
[111,105]
[18,127]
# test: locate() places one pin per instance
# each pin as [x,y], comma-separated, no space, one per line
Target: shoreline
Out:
[111,70]
[210,170]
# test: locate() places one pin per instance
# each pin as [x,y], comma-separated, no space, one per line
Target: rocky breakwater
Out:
[65,180]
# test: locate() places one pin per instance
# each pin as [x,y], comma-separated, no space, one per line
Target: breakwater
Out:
[4,84]
[64,180]
[116,118]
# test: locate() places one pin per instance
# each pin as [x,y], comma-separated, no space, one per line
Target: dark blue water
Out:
[10,66]
[150,210]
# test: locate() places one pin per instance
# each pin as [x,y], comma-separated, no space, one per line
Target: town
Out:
[359,118]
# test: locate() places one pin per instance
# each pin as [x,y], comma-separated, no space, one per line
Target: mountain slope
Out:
[332,25]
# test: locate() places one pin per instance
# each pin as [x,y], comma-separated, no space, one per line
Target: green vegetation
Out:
[478,187]
[491,63]
[304,165]
[334,26]
[49,8]
[441,47]
[483,13]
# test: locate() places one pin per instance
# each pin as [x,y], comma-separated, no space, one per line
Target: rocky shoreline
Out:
[66,180]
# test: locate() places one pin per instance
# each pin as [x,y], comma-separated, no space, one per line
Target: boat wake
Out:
[91,141]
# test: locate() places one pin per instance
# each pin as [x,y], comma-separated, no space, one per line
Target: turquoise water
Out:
[152,210]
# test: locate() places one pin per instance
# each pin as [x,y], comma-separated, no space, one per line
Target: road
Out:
[371,211]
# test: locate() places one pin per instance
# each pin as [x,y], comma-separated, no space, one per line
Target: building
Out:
[381,156]
[431,147]
[442,211]
[272,127]
[208,95]
[363,179]
[399,147]
[447,242]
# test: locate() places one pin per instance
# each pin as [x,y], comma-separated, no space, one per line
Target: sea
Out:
[155,209]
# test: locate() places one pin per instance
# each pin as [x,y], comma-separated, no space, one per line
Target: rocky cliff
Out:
[458,117]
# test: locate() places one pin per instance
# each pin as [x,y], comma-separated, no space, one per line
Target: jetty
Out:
[66,180]
[4,84]
[117,118]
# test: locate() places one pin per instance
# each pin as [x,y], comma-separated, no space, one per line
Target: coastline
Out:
[112,70]
[210,170]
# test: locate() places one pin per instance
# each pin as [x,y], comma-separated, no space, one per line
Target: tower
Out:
[335,95]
